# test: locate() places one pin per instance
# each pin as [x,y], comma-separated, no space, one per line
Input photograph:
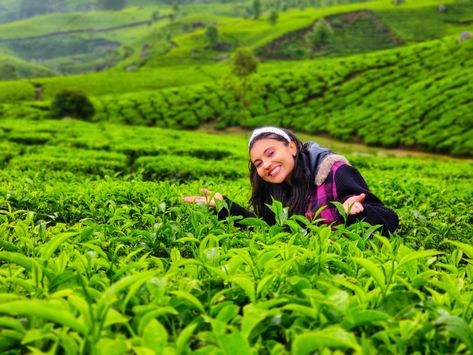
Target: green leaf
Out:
[155,336]
[16,258]
[252,316]
[304,310]
[373,270]
[255,222]
[114,317]
[332,338]
[466,248]
[44,310]
[49,248]
[12,323]
[399,301]
[228,313]
[232,342]
[356,318]
[111,346]
[110,295]
[190,298]
[182,344]
[457,327]
[415,255]
[246,284]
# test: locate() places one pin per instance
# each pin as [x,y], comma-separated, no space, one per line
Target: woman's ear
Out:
[293,148]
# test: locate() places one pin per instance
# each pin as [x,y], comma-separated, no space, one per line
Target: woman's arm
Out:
[234,209]
[352,188]
[210,198]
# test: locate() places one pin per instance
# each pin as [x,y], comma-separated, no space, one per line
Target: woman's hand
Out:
[209,199]
[354,204]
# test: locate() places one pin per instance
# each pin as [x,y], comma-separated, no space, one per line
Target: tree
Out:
[155,16]
[273,17]
[244,65]
[114,5]
[8,72]
[256,9]
[321,35]
[69,103]
[211,33]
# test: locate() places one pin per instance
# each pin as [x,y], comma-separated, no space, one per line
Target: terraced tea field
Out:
[99,254]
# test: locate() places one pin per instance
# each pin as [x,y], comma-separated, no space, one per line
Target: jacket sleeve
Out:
[234,209]
[349,182]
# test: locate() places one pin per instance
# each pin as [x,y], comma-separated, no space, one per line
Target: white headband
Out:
[268,129]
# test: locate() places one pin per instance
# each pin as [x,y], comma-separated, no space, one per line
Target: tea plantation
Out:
[416,96]
[98,254]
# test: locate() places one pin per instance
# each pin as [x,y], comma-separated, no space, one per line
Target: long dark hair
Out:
[294,195]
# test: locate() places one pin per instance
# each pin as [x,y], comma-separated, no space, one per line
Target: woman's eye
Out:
[270,154]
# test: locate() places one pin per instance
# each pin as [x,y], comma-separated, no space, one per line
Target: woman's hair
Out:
[294,195]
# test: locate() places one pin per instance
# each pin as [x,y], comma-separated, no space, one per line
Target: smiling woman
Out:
[305,177]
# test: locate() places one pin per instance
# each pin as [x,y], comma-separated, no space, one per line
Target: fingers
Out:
[216,195]
[353,205]
[194,199]
[206,191]
[360,198]
[356,208]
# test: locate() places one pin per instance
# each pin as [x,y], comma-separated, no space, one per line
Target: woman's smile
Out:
[274,171]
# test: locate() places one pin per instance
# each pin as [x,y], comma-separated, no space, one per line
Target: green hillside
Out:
[417,97]
[12,68]
[158,36]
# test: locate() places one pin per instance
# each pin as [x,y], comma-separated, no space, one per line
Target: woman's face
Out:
[273,160]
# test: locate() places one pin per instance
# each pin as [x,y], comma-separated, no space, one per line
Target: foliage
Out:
[94,263]
[256,7]
[211,33]
[320,36]
[111,4]
[68,103]
[273,17]
[244,63]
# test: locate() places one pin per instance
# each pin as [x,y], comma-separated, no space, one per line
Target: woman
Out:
[304,177]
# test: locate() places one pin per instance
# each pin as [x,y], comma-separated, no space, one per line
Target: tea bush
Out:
[68,103]
[94,258]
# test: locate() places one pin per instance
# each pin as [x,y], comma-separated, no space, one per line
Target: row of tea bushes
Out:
[122,265]
[94,149]
[416,97]
[153,154]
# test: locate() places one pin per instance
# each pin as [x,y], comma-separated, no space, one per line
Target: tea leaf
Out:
[48,249]
[44,310]
[467,249]
[373,270]
[332,338]
[155,336]
[190,298]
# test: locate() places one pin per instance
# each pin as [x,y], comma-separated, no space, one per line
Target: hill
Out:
[416,96]
[12,68]
[164,36]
